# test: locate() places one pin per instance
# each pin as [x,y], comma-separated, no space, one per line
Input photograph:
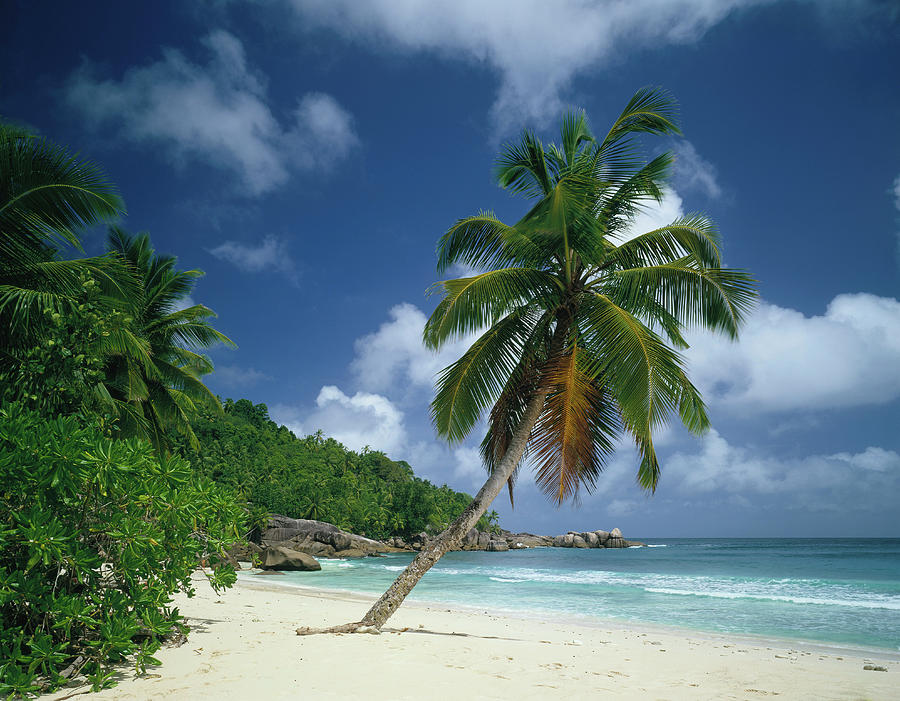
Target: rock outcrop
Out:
[293,543]
[285,559]
[318,538]
[593,539]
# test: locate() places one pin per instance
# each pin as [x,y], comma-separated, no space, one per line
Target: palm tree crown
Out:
[47,196]
[577,308]
[161,377]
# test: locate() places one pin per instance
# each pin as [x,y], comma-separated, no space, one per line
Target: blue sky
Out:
[308,154]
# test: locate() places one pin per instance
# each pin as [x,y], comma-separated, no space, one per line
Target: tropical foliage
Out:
[96,532]
[47,196]
[128,305]
[95,536]
[316,477]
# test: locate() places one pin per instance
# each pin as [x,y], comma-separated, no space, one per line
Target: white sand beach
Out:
[243,646]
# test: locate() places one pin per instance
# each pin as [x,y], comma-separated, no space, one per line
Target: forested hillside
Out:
[316,477]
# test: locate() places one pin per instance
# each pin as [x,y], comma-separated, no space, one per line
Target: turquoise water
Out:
[844,592]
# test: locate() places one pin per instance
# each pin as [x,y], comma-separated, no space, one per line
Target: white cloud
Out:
[722,467]
[215,113]
[535,47]
[183,303]
[469,466]
[322,134]
[356,421]
[654,215]
[786,361]
[271,253]
[234,376]
[896,193]
[395,354]
[693,172]
[622,507]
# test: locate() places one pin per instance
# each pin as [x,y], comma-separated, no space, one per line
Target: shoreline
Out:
[588,621]
[243,644]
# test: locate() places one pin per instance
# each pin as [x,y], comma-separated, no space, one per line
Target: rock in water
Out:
[498,546]
[285,559]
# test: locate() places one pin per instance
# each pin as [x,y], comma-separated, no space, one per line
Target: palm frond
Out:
[651,110]
[574,133]
[573,436]
[483,241]
[470,304]
[517,393]
[692,235]
[522,167]
[715,298]
[464,389]
[641,373]
[47,194]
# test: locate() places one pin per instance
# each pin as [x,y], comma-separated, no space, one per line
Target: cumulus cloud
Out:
[787,361]
[722,467]
[536,48]
[622,507]
[896,193]
[654,215]
[356,421]
[183,303]
[234,376]
[216,114]
[270,254]
[468,465]
[695,173]
[395,353]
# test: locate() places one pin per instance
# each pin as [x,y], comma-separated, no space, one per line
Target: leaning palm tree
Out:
[161,379]
[582,319]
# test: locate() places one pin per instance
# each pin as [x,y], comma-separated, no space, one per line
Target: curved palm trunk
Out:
[390,601]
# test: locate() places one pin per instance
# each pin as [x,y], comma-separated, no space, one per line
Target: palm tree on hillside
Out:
[163,383]
[583,320]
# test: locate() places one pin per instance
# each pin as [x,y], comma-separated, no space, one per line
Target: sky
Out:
[307,155]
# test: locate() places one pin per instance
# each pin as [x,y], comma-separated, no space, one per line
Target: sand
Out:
[243,647]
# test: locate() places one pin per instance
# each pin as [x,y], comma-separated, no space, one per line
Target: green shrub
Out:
[96,534]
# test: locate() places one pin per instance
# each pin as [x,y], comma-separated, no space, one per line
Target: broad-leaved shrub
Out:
[96,535]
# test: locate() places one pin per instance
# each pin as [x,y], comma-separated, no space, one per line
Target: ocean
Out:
[840,592]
